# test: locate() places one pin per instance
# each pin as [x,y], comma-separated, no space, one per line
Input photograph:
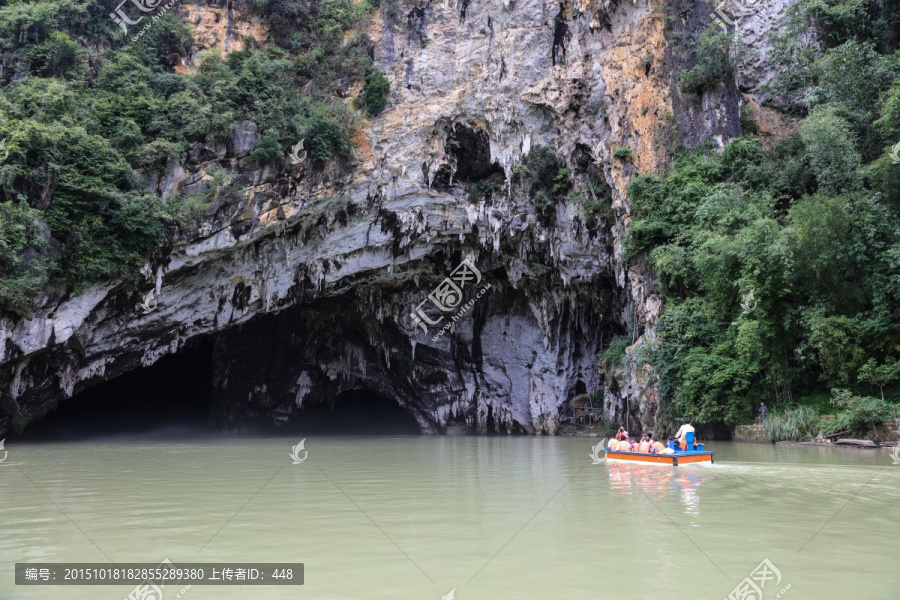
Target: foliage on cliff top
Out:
[92,121]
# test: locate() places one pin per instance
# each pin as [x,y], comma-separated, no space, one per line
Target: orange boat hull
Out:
[662,459]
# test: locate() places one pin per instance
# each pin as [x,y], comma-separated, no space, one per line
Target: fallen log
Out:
[860,443]
[839,433]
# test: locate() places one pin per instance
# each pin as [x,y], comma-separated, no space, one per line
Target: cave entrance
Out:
[491,428]
[357,412]
[471,150]
[170,398]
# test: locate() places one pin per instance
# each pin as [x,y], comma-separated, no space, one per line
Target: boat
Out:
[678,458]
[695,454]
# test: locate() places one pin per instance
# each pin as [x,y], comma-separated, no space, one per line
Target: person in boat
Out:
[624,445]
[656,446]
[683,431]
[621,433]
[644,446]
[613,443]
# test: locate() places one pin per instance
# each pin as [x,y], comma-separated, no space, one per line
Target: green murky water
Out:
[492,518]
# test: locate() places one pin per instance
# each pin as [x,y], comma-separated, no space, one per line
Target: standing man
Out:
[763,412]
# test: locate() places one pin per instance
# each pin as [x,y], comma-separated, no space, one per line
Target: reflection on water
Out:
[657,483]
[493,518]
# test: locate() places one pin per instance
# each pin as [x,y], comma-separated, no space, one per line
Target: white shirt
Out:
[684,429]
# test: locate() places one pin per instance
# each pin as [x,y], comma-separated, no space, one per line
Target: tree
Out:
[268,149]
[376,89]
[880,375]
[831,147]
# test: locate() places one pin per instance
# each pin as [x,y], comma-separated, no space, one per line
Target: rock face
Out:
[306,281]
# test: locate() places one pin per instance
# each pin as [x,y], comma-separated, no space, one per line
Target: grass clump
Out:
[797,424]
[623,153]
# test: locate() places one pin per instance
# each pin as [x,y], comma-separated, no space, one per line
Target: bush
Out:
[336,16]
[859,413]
[375,91]
[749,125]
[715,63]
[484,188]
[544,177]
[32,22]
[590,204]
[268,149]
[613,357]
[283,16]
[624,153]
[168,36]
[325,136]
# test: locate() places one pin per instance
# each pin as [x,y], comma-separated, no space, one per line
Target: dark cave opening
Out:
[170,398]
[491,428]
[471,150]
[357,412]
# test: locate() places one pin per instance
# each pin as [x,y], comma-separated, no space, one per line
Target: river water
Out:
[489,517]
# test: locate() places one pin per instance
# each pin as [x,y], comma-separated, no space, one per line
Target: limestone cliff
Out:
[305,282]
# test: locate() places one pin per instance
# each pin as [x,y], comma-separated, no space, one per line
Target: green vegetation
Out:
[538,270]
[543,177]
[796,424]
[860,413]
[715,62]
[591,205]
[748,120]
[809,226]
[820,256]
[24,256]
[484,188]
[376,89]
[623,153]
[591,193]
[613,357]
[856,417]
[92,120]
[840,27]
